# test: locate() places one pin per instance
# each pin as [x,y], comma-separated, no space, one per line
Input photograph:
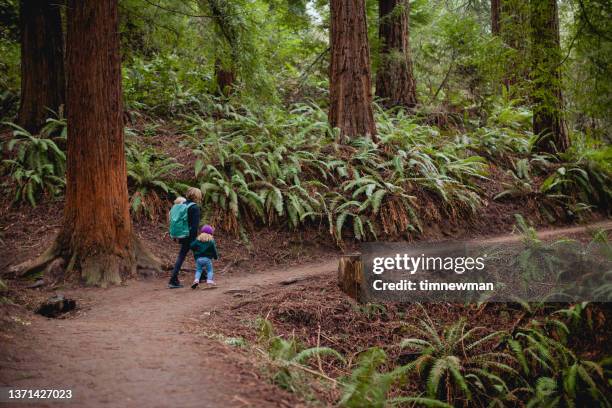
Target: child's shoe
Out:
[195,284]
[210,283]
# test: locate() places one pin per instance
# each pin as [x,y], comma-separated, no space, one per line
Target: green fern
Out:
[38,166]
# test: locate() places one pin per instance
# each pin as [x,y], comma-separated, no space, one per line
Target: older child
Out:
[204,251]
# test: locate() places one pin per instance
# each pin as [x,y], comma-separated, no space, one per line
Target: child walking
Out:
[204,251]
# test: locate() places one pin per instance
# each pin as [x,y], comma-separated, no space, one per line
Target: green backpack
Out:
[179,220]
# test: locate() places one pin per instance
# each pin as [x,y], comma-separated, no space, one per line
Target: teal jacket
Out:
[206,249]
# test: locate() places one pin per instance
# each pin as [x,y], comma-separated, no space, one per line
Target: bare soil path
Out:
[128,346]
[130,349]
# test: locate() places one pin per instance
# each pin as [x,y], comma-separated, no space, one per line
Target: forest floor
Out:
[144,345]
[130,346]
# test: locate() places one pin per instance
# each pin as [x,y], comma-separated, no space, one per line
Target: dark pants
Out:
[183,251]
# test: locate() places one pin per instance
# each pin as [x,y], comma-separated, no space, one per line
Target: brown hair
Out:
[194,194]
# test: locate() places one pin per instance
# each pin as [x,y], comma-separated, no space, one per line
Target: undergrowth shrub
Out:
[277,167]
[288,358]
[369,385]
[460,364]
[531,364]
[165,85]
[570,183]
[148,175]
[583,175]
[38,165]
[559,376]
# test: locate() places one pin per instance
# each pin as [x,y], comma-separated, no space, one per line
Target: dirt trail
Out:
[129,347]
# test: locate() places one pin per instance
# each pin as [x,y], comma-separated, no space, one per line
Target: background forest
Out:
[244,87]
[320,124]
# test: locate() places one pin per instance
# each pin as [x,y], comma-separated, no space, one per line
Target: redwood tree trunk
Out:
[496,8]
[395,82]
[350,84]
[96,237]
[548,121]
[42,62]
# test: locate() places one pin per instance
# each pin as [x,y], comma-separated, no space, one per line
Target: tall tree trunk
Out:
[224,76]
[496,9]
[548,121]
[395,82]
[349,72]
[96,237]
[42,62]
[510,20]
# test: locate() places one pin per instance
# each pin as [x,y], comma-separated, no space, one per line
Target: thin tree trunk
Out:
[513,24]
[547,96]
[395,82]
[349,73]
[42,62]
[96,237]
[224,76]
[496,9]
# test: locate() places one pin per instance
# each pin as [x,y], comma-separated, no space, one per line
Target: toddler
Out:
[204,251]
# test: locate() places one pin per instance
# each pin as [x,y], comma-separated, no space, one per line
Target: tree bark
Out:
[349,72]
[547,95]
[42,62]
[224,76]
[96,237]
[395,82]
[225,79]
[513,24]
[496,8]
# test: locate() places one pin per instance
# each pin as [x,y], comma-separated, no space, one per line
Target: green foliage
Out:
[289,358]
[148,174]
[575,181]
[453,58]
[367,386]
[165,84]
[584,175]
[538,258]
[458,366]
[272,167]
[560,377]
[589,86]
[38,165]
[461,364]
[10,61]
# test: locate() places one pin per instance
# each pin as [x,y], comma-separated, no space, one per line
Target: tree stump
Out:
[350,275]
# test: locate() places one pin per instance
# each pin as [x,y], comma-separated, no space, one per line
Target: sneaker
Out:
[211,283]
[195,284]
[175,285]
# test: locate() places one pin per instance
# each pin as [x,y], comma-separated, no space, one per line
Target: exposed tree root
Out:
[33,266]
[95,268]
[147,263]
